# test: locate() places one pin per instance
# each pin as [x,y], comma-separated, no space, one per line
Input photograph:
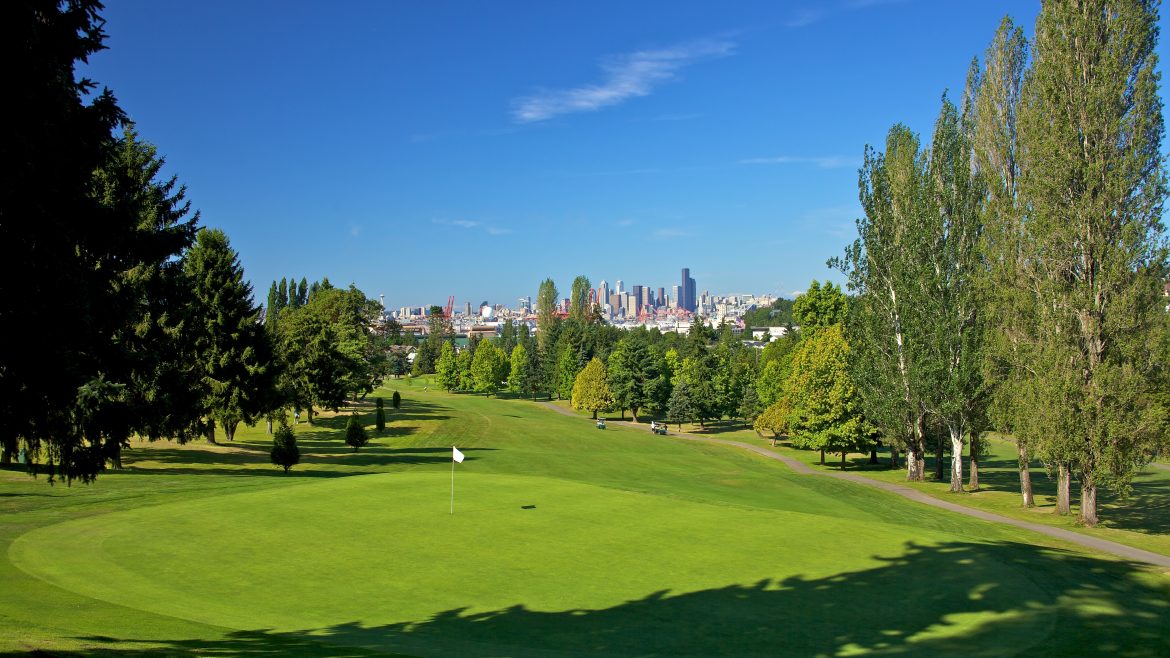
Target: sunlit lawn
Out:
[565,540]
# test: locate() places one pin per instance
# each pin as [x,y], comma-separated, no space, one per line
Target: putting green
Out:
[545,564]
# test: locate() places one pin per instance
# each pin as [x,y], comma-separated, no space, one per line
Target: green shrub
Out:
[285,452]
[355,434]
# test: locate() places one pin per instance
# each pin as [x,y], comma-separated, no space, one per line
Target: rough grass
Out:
[565,540]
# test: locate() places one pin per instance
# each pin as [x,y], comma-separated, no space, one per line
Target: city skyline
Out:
[418,151]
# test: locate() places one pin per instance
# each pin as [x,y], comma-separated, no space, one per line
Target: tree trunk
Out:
[939,453]
[973,480]
[634,413]
[873,455]
[7,451]
[309,412]
[956,462]
[1025,476]
[822,456]
[1088,500]
[211,431]
[1062,478]
[914,464]
[594,414]
[893,457]
[116,457]
[270,426]
[623,413]
[843,453]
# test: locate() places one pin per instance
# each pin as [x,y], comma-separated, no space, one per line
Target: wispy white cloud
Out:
[809,15]
[670,233]
[822,161]
[469,224]
[461,223]
[837,221]
[804,17]
[625,76]
[677,116]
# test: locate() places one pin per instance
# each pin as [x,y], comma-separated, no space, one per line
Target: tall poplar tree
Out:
[1008,304]
[1094,184]
[579,300]
[546,314]
[884,323]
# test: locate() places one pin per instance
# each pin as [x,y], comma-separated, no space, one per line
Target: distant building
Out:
[660,300]
[687,299]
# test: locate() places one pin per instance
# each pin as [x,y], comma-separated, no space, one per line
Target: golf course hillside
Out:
[559,539]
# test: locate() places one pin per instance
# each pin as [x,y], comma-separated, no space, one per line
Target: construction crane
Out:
[450,305]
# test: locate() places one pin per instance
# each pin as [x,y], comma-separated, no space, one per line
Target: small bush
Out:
[285,452]
[355,434]
[396,401]
[380,418]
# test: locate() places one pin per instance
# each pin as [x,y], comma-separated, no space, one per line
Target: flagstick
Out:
[452,483]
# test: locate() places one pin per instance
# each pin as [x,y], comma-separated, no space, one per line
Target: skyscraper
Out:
[687,294]
[636,291]
[603,293]
[660,300]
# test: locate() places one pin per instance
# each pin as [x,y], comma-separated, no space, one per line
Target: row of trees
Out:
[1010,274]
[127,317]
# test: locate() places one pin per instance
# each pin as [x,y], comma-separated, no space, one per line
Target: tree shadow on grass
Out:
[338,458]
[960,598]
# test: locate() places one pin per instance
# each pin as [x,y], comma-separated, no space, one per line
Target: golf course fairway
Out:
[563,541]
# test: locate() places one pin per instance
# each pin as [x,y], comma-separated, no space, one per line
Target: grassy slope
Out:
[636,545]
[1142,520]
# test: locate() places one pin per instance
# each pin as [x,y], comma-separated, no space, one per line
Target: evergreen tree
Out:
[282,294]
[518,374]
[231,348]
[271,309]
[546,314]
[681,408]
[396,400]
[380,416]
[636,375]
[355,433]
[566,372]
[72,391]
[303,292]
[285,452]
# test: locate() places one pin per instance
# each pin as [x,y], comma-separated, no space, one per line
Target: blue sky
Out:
[427,149]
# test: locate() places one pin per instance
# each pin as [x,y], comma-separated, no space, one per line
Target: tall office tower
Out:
[467,309]
[618,289]
[603,293]
[636,292]
[674,296]
[660,299]
[687,301]
[647,297]
[630,304]
[615,301]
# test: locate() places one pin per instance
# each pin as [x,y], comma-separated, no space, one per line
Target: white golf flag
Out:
[456,455]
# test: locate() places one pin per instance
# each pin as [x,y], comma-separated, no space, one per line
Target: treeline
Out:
[705,376]
[123,316]
[1009,275]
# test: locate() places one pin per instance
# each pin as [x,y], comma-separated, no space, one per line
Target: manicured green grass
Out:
[565,540]
[1142,520]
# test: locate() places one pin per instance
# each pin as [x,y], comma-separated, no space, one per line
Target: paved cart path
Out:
[1103,545]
